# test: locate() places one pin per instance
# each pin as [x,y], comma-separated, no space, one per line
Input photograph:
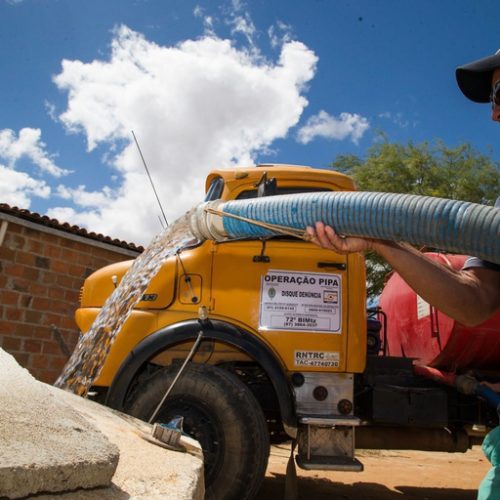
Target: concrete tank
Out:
[417,330]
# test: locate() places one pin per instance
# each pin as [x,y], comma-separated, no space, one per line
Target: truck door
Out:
[291,294]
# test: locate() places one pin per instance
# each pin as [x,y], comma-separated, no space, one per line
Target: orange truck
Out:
[287,351]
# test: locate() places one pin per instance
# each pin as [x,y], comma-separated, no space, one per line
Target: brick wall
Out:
[41,273]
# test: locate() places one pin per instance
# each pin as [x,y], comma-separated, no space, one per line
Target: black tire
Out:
[223,415]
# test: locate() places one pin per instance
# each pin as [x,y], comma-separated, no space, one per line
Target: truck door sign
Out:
[298,301]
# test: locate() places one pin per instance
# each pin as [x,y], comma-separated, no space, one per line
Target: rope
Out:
[286,230]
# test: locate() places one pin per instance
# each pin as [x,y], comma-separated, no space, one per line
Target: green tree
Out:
[460,173]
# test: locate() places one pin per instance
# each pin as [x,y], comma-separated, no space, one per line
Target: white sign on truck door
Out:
[299,301]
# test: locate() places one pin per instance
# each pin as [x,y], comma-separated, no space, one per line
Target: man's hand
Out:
[326,237]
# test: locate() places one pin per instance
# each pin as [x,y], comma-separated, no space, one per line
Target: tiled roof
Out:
[44,220]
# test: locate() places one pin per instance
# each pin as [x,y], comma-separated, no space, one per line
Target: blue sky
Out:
[208,84]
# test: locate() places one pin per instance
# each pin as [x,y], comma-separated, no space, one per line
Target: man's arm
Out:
[469,296]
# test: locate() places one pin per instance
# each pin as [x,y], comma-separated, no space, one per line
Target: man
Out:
[472,294]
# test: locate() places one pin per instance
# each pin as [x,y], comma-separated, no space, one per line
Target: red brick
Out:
[20,285]
[25,258]
[48,278]
[8,297]
[41,304]
[84,259]
[51,348]
[47,376]
[57,293]
[15,270]
[11,343]
[52,319]
[76,270]
[72,296]
[7,254]
[71,338]
[58,363]
[22,330]
[77,283]
[32,345]
[22,358]
[63,307]
[14,241]
[64,281]
[41,332]
[28,231]
[68,322]
[52,251]
[59,266]
[46,237]
[34,317]
[15,228]
[39,361]
[69,255]
[7,327]
[42,262]
[40,290]
[31,273]
[25,301]
[70,244]
[13,314]
[34,246]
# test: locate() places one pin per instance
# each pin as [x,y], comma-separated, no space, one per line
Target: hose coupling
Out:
[207,226]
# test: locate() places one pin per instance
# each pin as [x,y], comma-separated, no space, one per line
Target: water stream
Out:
[85,364]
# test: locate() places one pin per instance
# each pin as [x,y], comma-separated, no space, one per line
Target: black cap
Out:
[474,79]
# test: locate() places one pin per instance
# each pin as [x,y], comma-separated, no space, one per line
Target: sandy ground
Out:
[388,475]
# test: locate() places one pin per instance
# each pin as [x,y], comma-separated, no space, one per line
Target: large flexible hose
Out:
[449,225]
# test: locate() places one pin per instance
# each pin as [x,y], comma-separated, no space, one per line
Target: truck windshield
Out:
[215,190]
[252,193]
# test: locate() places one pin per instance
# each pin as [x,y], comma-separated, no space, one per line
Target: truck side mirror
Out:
[266,187]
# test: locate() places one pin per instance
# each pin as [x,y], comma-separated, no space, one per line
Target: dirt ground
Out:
[388,475]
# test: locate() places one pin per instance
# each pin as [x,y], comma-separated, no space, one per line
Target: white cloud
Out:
[198,105]
[28,144]
[244,25]
[397,118]
[347,125]
[208,21]
[279,34]
[85,198]
[237,5]
[17,188]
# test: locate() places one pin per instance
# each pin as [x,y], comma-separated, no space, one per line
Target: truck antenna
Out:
[150,179]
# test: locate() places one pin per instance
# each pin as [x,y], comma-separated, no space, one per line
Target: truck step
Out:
[330,421]
[345,464]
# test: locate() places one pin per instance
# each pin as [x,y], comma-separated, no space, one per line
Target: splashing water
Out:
[87,359]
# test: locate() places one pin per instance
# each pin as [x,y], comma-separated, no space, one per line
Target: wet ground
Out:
[388,475]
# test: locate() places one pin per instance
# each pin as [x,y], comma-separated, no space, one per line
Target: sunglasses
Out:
[495,94]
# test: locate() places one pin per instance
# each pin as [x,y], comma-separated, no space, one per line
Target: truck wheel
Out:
[223,415]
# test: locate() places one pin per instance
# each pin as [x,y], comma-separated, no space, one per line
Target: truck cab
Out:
[282,352]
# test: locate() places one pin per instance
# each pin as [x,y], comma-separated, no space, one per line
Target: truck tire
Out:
[223,415]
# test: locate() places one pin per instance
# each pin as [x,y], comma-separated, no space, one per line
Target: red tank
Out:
[417,330]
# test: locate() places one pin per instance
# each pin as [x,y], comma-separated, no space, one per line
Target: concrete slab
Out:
[145,470]
[45,445]
[35,422]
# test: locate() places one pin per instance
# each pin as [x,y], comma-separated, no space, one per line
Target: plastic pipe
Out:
[448,225]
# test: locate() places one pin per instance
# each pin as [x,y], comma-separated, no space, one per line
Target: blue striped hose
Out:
[448,225]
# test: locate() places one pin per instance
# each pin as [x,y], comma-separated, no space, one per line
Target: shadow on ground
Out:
[324,489]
